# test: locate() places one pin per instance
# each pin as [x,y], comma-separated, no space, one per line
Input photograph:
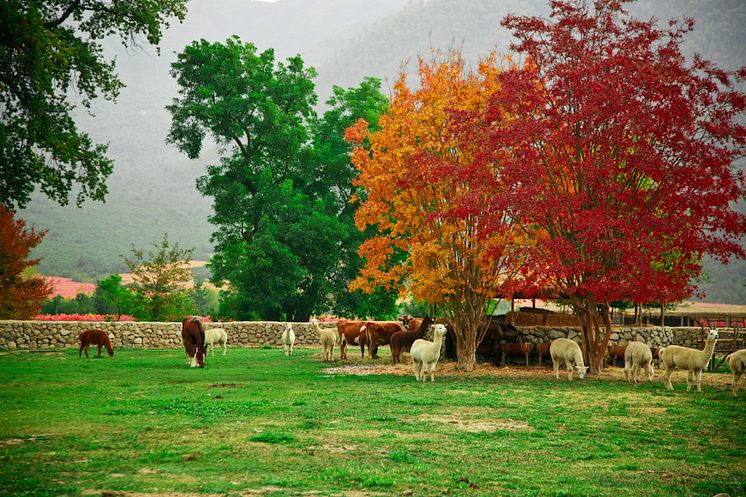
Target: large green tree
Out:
[52,61]
[280,203]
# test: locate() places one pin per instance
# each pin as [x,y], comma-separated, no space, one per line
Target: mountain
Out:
[152,188]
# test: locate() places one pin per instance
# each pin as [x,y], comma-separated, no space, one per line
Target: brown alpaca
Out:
[95,337]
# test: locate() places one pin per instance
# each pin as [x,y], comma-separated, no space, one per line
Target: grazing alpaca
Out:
[216,336]
[675,356]
[95,337]
[425,354]
[638,355]
[737,363]
[288,339]
[567,351]
[328,338]
[193,336]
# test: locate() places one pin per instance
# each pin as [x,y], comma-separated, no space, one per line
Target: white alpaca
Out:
[216,336]
[675,356]
[567,351]
[425,354]
[737,363]
[638,355]
[328,338]
[288,339]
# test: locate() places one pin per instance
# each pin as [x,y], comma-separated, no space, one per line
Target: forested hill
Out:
[474,25]
[152,189]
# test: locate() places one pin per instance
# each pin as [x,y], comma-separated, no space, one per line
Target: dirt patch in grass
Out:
[462,422]
[450,369]
[9,442]
[336,449]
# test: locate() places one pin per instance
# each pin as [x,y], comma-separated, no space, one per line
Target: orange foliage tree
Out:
[20,296]
[435,234]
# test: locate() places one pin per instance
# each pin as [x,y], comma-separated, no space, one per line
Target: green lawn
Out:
[258,423]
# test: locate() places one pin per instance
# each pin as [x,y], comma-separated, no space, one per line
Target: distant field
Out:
[257,423]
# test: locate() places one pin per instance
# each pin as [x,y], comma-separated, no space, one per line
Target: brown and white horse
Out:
[95,337]
[193,336]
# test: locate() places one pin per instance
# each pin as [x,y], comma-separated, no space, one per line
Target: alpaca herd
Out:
[408,336]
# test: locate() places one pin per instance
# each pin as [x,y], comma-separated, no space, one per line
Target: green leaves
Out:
[51,61]
[160,277]
[285,239]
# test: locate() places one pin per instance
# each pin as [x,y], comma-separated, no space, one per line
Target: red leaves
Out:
[620,152]
[20,295]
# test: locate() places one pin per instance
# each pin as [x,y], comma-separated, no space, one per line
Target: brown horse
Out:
[95,337]
[193,336]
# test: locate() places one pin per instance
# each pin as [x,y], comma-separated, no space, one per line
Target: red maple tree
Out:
[20,295]
[620,153]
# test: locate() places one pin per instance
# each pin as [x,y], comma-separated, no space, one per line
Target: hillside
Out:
[152,189]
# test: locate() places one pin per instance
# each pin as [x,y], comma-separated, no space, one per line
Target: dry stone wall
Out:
[655,337]
[63,334]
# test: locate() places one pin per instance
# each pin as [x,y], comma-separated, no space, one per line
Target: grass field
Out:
[256,423]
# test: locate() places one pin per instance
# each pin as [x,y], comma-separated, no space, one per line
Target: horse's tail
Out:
[201,334]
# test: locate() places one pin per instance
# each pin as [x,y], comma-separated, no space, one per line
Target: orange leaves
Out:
[357,132]
[426,198]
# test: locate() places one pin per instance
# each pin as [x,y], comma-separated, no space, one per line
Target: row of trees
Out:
[600,168]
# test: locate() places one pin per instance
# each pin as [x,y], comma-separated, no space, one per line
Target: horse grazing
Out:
[193,336]
[95,337]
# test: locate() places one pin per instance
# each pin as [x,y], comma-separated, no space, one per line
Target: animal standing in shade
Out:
[402,341]
[288,339]
[193,336]
[95,337]
[694,361]
[380,333]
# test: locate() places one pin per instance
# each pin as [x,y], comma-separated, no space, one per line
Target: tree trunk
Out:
[595,342]
[465,315]
[466,352]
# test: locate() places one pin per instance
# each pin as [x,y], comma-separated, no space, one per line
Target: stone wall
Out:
[62,334]
[655,337]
